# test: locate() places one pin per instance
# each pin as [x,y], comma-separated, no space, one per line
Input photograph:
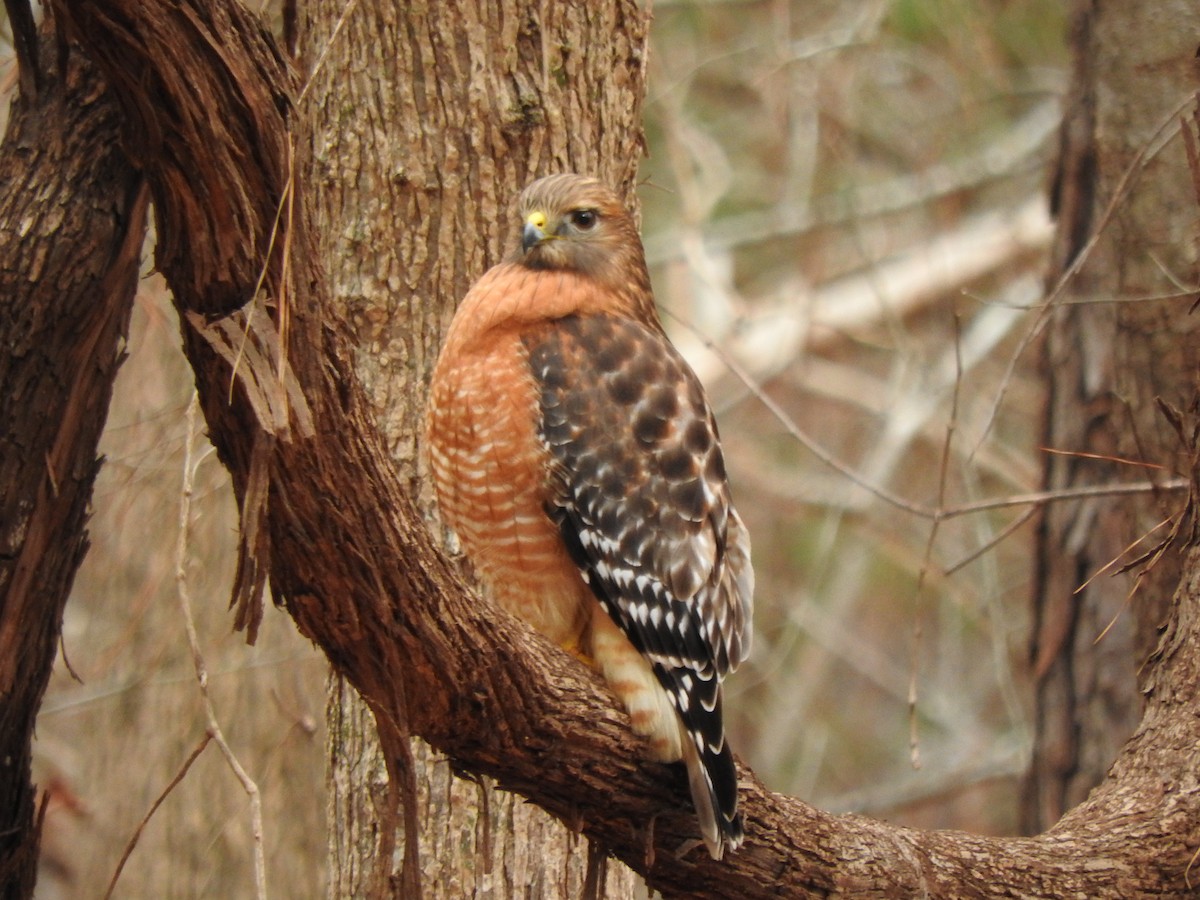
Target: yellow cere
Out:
[537,219]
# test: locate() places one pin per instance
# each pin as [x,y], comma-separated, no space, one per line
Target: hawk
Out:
[574,453]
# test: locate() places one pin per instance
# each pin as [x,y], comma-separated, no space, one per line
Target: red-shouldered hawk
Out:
[574,453]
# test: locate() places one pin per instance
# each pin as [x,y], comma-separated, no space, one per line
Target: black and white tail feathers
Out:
[712,774]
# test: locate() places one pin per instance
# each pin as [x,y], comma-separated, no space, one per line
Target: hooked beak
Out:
[534,230]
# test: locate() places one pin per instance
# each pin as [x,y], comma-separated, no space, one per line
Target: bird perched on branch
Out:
[574,453]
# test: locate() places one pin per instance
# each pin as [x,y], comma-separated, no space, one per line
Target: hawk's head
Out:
[578,224]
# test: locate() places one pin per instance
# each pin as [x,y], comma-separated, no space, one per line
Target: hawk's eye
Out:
[584,219]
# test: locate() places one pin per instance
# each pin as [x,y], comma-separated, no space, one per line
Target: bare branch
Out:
[158,801]
[189,622]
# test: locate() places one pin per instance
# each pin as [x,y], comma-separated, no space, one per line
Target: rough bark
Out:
[407,216]
[73,211]
[350,555]
[1110,351]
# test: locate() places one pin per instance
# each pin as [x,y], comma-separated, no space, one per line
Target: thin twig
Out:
[284,204]
[185,603]
[320,63]
[1035,498]
[799,434]
[1039,498]
[1112,563]
[914,737]
[1146,152]
[987,545]
[1102,457]
[179,776]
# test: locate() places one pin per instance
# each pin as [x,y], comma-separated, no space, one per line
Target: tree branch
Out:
[353,561]
[73,214]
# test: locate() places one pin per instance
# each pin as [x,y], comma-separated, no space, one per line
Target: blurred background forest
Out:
[844,210]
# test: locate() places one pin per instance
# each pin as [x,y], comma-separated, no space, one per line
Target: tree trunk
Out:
[74,212]
[407,217]
[1110,351]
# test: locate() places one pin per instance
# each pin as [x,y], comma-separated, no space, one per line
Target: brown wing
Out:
[642,502]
